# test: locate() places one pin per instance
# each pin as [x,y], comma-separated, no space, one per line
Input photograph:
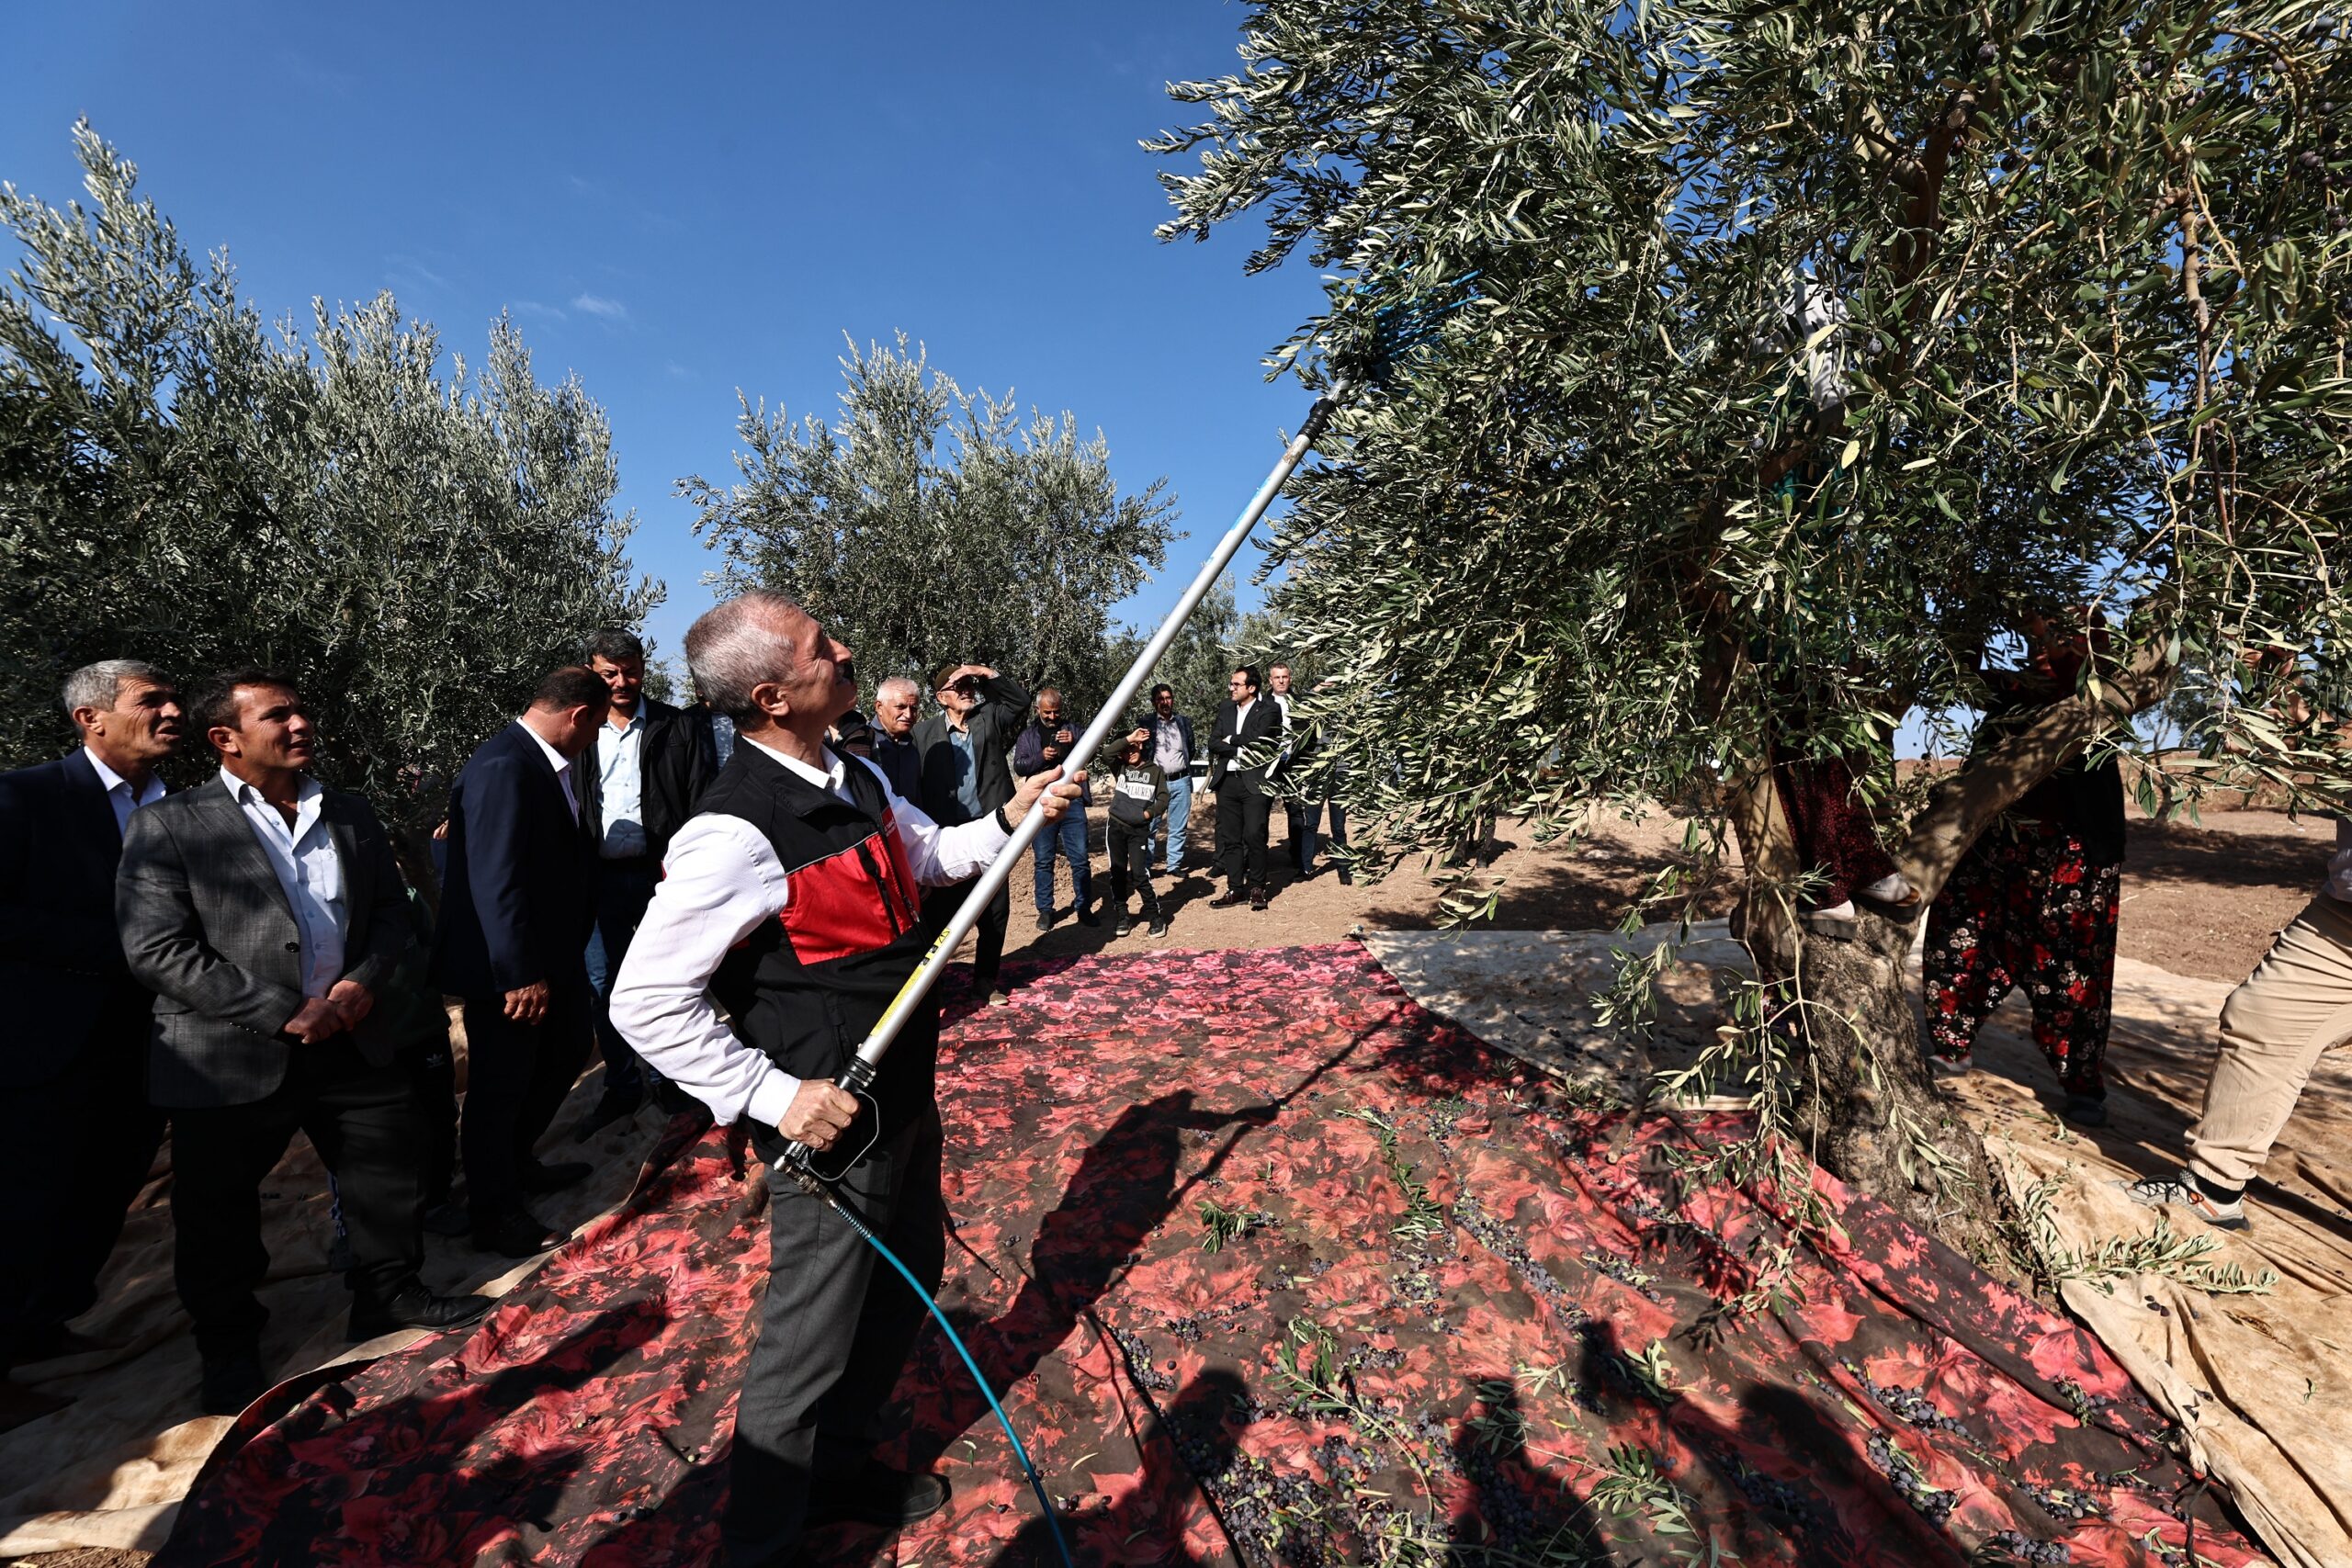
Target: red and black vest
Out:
[806,987]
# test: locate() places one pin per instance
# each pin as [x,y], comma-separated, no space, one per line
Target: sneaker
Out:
[2158,1192]
[1088,918]
[1125,923]
[1950,1067]
[1044,920]
[997,996]
[1159,925]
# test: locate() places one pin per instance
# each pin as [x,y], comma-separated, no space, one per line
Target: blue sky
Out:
[678,203]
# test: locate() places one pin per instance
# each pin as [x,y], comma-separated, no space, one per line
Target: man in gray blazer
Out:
[265,911]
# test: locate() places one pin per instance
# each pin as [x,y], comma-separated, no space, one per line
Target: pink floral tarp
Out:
[1274,1267]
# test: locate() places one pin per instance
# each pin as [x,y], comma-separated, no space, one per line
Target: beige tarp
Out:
[2261,1381]
[111,1469]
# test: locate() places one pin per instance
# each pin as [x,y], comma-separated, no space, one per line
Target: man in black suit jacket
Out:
[515,914]
[266,914]
[642,773]
[1240,744]
[76,1134]
[965,751]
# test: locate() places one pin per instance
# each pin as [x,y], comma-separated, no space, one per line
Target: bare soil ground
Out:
[2202,899]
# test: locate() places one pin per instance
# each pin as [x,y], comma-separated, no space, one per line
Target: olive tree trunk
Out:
[1864,1102]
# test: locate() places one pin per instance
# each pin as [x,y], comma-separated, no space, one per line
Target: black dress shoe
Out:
[881,1496]
[1229,899]
[449,1219]
[515,1234]
[415,1307]
[616,1105]
[1257,899]
[538,1178]
[232,1379]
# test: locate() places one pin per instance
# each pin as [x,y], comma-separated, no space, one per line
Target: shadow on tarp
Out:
[1422,1299]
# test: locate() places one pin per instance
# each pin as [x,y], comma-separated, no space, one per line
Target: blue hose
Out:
[1044,1503]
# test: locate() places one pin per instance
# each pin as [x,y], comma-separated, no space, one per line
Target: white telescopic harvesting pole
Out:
[860,1074]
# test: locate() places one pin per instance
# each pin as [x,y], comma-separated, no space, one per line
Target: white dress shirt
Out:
[562,765]
[620,786]
[310,868]
[719,881]
[119,794]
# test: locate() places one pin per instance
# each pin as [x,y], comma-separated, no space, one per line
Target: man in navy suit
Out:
[515,915]
[76,1134]
[1240,746]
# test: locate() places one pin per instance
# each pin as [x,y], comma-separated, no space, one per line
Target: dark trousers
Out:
[1299,835]
[433,1071]
[1130,846]
[73,1152]
[517,1076]
[1304,818]
[834,1331]
[1242,816]
[939,907]
[624,887]
[363,1120]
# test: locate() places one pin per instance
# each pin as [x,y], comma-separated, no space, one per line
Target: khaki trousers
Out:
[2296,1004]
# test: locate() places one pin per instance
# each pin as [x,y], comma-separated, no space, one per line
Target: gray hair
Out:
[734,647]
[99,685]
[898,685]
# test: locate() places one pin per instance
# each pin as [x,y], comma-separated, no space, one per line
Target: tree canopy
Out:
[1811,353]
[2085,264]
[181,484]
[928,522]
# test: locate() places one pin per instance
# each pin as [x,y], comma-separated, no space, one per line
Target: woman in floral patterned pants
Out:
[2028,906]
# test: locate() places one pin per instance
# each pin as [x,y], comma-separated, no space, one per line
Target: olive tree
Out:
[1807,353]
[181,483]
[928,522]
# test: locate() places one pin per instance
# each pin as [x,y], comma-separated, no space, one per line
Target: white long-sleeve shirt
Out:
[309,868]
[720,879]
